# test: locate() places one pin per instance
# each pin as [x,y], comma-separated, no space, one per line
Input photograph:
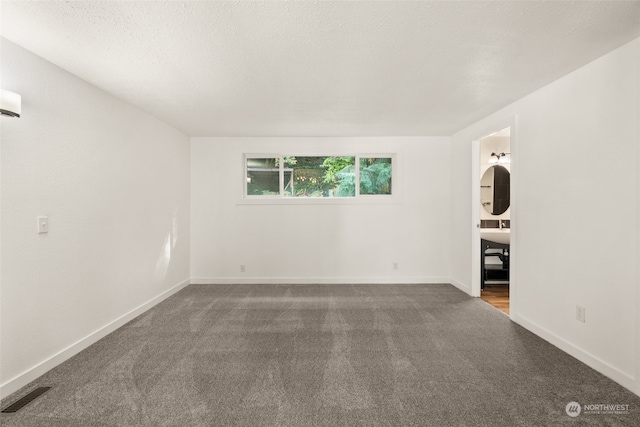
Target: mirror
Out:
[495,188]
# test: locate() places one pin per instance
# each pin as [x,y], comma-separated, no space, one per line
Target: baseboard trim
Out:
[464,288]
[19,381]
[316,280]
[622,378]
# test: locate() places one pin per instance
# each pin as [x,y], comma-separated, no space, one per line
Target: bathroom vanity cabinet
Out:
[494,272]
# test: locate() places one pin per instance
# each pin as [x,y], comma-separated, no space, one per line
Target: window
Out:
[318,177]
[263,177]
[375,175]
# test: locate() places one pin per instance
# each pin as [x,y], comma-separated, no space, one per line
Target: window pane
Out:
[319,176]
[375,175]
[263,177]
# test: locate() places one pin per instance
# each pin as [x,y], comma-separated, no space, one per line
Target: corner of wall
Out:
[14,384]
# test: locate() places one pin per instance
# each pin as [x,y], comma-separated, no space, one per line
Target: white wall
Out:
[320,243]
[576,220]
[114,182]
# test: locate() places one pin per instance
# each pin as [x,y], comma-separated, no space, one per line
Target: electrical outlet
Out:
[395,265]
[243,268]
[580,313]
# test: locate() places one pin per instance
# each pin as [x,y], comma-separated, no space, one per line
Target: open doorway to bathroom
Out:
[495,218]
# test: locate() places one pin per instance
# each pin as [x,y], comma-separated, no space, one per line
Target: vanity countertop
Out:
[498,235]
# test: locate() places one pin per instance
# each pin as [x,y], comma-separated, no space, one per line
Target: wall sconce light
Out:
[10,103]
[499,158]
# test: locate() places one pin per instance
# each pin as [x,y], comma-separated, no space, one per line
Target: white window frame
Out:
[244,179]
[281,199]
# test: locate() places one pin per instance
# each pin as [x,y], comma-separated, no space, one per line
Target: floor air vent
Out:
[21,403]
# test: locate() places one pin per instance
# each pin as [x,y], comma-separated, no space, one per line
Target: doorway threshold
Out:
[496,295]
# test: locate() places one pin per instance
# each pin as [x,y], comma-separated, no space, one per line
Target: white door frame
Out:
[510,122]
[475,217]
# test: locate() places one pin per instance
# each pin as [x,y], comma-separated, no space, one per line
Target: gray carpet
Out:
[321,355]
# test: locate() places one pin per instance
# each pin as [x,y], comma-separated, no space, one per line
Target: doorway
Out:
[493,181]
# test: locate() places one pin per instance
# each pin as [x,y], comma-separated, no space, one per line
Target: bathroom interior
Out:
[495,218]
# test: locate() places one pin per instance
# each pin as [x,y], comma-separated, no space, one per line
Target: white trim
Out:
[626,380]
[458,284]
[356,170]
[637,291]
[24,378]
[318,280]
[512,123]
[475,219]
[637,287]
[386,199]
[514,171]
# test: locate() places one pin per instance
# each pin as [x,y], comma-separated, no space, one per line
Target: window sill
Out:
[361,200]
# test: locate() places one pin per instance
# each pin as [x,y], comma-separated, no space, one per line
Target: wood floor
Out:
[497,296]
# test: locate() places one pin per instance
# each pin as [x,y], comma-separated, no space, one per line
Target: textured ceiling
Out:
[320,68]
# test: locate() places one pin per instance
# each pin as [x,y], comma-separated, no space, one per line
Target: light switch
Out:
[43,224]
